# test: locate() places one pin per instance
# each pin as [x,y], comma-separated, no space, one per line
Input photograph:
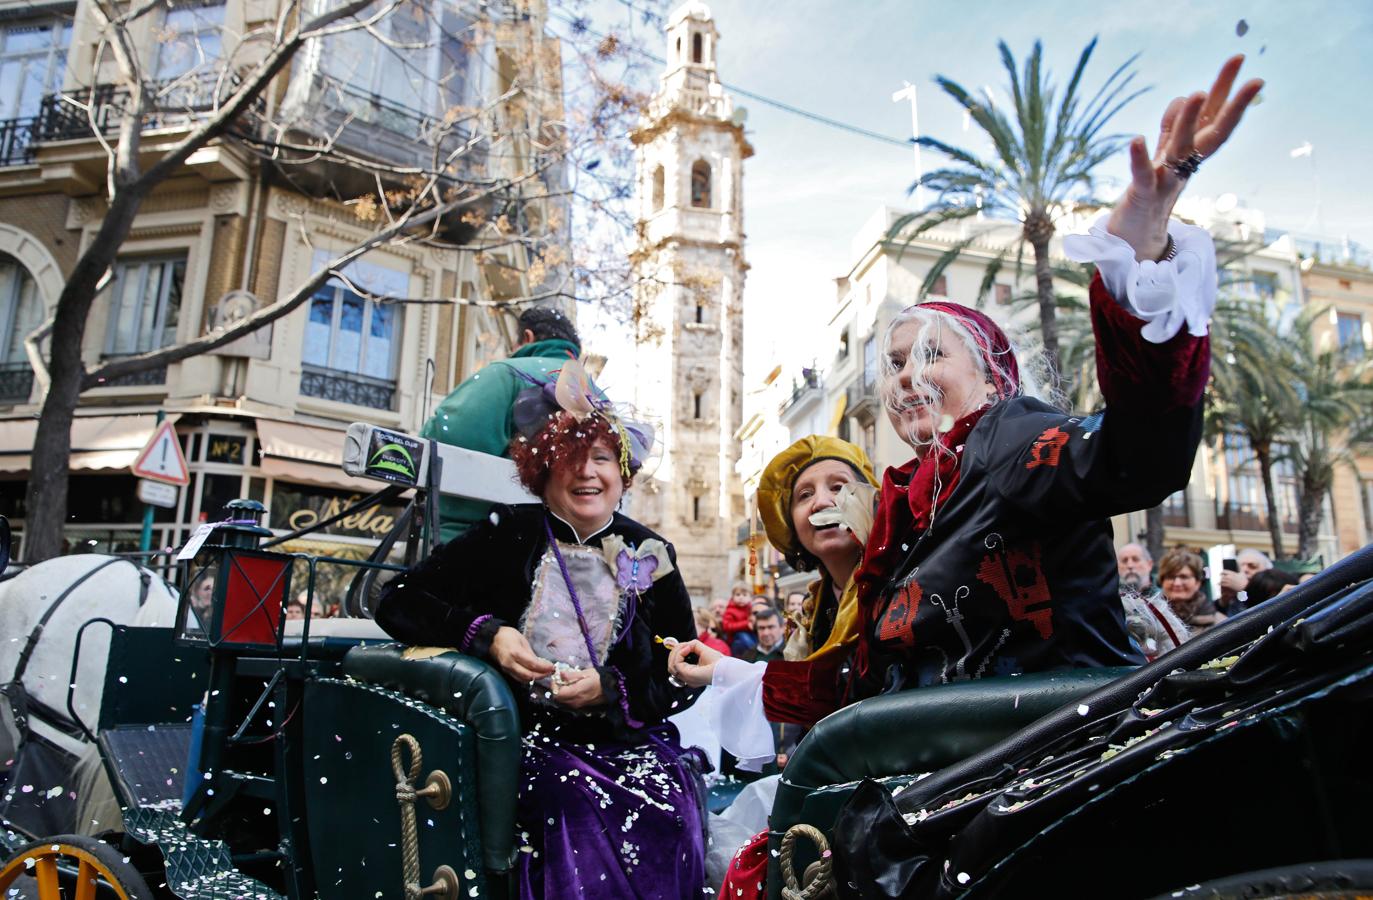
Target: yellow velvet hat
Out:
[778,479]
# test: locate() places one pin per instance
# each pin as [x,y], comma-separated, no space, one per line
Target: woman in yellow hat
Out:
[816,501]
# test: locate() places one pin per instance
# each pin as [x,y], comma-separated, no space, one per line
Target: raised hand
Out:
[516,658]
[1193,129]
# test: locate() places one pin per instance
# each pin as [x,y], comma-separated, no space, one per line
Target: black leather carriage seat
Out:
[472,691]
[902,735]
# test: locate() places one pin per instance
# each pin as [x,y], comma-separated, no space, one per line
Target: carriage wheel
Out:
[72,867]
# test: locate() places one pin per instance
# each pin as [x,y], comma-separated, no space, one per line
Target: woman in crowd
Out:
[1180,572]
[991,552]
[571,600]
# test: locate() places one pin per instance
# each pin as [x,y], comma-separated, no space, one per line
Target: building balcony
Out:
[1248,517]
[347,387]
[804,395]
[16,141]
[863,403]
[16,382]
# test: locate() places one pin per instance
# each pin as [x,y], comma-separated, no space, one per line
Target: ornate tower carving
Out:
[689,303]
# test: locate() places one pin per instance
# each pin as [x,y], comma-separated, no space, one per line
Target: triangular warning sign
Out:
[161,459]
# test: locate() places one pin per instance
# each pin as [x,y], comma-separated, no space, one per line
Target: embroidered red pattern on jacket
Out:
[898,623]
[1017,576]
[1047,448]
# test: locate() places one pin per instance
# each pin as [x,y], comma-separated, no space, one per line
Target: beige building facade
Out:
[230,231]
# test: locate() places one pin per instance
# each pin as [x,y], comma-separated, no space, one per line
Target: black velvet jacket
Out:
[477,583]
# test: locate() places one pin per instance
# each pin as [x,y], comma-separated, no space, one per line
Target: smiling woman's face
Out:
[933,375]
[815,489]
[585,496]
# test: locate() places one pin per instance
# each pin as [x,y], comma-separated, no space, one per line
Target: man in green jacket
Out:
[477,414]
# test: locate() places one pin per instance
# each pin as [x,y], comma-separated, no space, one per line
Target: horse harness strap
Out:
[32,642]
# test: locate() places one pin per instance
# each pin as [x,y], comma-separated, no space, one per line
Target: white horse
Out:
[94,587]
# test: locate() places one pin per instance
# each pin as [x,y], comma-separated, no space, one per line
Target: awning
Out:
[307,454]
[839,406]
[99,443]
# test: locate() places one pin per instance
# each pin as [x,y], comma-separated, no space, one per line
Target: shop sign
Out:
[295,507]
[226,448]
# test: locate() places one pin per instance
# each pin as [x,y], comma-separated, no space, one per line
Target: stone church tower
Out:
[689,315]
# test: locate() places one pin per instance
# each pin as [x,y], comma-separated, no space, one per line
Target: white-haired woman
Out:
[991,552]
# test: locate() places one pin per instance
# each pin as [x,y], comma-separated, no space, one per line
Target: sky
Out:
[809,187]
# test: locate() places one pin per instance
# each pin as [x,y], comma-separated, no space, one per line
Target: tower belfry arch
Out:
[689,303]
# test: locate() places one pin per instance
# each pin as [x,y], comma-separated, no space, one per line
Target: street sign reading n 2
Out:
[155,493]
[162,460]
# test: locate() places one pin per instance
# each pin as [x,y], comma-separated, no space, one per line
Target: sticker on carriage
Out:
[393,456]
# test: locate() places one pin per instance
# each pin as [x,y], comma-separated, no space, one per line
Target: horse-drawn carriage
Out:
[254,755]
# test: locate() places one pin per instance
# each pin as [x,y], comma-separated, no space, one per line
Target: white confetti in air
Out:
[1083,709]
[323,780]
[964,878]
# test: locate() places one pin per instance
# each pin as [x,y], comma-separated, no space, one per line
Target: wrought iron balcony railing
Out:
[347,387]
[153,376]
[16,382]
[1246,517]
[70,115]
[16,141]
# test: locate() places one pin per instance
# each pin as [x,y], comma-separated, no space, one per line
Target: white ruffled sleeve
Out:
[736,712]
[1165,295]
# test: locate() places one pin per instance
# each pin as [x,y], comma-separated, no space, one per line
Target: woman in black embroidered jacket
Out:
[569,599]
[991,551]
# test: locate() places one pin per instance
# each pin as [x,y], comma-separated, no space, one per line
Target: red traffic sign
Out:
[162,460]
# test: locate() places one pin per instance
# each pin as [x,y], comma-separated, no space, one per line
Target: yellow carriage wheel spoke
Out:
[86,875]
[45,871]
[41,862]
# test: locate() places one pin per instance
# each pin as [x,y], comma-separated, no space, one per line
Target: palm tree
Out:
[1249,392]
[1335,393]
[1042,166]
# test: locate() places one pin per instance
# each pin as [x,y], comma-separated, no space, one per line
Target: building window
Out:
[869,363]
[697,47]
[1175,513]
[351,348]
[696,405]
[20,313]
[1003,294]
[940,288]
[191,40]
[413,64]
[1349,329]
[695,509]
[1244,506]
[1265,285]
[700,314]
[657,189]
[33,57]
[146,304]
[700,184]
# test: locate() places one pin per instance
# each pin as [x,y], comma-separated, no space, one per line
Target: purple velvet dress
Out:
[610,805]
[609,819]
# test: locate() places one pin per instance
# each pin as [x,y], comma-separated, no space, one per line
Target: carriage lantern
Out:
[236,593]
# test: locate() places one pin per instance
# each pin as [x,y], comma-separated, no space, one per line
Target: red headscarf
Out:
[997,356]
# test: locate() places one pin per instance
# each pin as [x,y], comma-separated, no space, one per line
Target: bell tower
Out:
[688,304]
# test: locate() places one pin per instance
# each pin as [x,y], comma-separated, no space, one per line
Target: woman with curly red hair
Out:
[572,601]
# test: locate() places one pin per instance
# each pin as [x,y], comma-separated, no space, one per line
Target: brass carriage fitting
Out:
[445,884]
[438,790]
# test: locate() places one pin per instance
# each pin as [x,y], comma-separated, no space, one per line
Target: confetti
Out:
[1241,28]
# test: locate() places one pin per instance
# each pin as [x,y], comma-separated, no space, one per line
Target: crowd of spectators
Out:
[1173,601]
